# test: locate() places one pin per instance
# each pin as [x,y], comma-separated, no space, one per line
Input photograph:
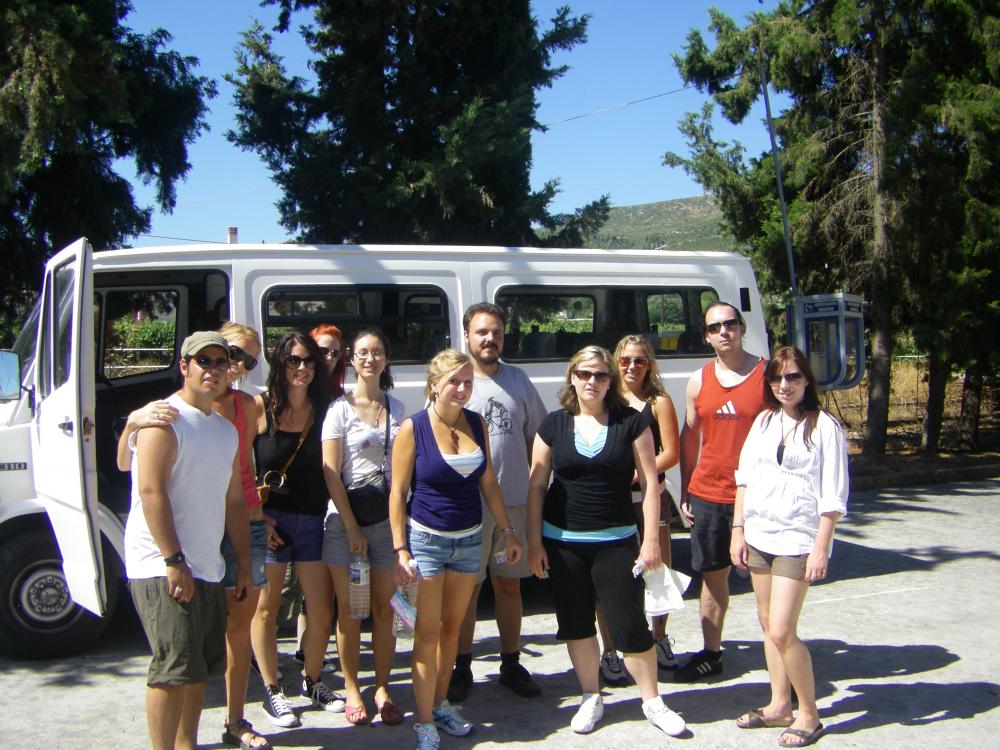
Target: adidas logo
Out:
[726,411]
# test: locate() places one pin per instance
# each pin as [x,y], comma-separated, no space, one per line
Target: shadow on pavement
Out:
[910,704]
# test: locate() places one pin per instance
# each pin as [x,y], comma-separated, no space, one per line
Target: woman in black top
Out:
[295,403]
[582,532]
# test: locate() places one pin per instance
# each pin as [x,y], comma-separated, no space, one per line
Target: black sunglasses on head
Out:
[238,355]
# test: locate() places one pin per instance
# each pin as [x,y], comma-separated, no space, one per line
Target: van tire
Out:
[38,619]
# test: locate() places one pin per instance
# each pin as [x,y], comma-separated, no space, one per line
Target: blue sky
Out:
[615,149]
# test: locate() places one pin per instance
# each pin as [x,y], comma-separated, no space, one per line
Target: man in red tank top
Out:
[723,398]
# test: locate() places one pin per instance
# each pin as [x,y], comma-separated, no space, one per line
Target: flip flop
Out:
[755,719]
[390,713]
[807,737]
[356,715]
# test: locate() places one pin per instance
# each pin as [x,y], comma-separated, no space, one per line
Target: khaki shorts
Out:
[494,541]
[188,641]
[786,566]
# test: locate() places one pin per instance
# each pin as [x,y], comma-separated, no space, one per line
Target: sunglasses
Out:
[789,377]
[727,324]
[325,352]
[295,361]
[238,355]
[587,375]
[626,362]
[208,363]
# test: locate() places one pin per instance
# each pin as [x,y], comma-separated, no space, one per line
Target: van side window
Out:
[548,323]
[413,318]
[138,331]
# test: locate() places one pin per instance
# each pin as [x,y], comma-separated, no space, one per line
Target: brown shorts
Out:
[188,641]
[786,566]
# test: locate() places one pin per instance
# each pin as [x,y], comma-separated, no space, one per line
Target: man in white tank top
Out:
[186,493]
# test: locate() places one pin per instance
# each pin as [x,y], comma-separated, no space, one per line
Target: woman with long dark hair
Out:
[290,461]
[792,486]
[582,531]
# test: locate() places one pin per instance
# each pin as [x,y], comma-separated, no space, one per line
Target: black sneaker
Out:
[322,697]
[518,679]
[702,664]
[279,709]
[461,683]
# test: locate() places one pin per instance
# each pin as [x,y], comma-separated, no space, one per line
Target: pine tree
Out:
[417,127]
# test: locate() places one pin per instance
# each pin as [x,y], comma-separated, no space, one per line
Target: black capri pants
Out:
[581,573]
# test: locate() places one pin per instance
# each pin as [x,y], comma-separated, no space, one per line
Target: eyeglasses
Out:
[208,363]
[374,354]
[587,375]
[728,324]
[327,353]
[626,362]
[236,354]
[790,377]
[294,361]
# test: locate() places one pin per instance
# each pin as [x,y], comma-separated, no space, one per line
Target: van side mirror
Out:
[10,376]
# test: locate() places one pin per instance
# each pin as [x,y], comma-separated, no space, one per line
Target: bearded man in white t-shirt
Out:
[512,408]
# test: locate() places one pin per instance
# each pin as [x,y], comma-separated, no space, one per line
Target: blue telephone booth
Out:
[829,329]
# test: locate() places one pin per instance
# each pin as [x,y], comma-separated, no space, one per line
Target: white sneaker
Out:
[590,712]
[665,653]
[613,669]
[427,737]
[661,717]
[448,719]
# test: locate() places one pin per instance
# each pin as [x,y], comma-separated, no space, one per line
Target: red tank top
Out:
[725,415]
[248,476]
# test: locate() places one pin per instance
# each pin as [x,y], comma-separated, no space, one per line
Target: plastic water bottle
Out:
[404,605]
[359,593]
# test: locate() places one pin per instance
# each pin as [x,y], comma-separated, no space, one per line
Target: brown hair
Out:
[809,407]
[652,384]
[385,381]
[613,399]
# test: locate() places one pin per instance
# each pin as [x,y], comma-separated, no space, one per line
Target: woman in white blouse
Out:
[791,490]
[355,449]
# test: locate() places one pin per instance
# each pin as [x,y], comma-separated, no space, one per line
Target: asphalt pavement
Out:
[902,636]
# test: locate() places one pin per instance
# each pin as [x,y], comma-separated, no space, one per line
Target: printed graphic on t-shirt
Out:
[497,417]
[727,411]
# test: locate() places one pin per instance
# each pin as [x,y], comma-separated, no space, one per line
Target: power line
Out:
[225,195]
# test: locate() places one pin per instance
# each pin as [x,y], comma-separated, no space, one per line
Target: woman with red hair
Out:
[330,341]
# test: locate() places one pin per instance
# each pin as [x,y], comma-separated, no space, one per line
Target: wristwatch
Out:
[175,559]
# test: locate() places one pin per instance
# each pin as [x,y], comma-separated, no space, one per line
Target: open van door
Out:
[64,454]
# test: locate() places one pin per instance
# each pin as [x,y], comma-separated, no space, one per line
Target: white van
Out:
[103,340]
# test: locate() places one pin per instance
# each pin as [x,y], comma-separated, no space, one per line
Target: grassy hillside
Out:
[684,224]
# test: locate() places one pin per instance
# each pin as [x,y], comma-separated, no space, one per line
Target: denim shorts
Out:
[258,557]
[436,554]
[301,532]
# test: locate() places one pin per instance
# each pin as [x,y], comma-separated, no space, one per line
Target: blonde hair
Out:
[652,384]
[613,399]
[444,363]
[231,330]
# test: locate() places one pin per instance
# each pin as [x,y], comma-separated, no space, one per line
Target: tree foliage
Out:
[873,110]
[416,126]
[78,91]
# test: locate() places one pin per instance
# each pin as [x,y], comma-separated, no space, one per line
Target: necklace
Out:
[784,435]
[453,433]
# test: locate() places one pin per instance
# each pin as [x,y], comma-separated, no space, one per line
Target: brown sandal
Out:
[243,736]
[806,736]
[389,712]
[755,719]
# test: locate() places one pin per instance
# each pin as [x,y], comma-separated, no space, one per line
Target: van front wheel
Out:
[38,618]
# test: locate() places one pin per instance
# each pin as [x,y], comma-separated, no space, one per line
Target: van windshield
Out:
[25,344]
